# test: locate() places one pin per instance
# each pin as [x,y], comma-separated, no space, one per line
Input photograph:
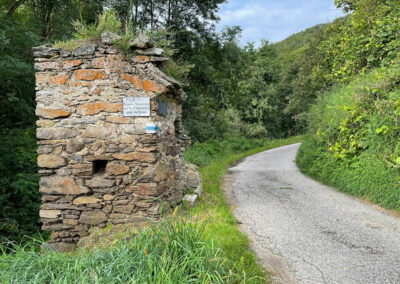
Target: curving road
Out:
[307,232]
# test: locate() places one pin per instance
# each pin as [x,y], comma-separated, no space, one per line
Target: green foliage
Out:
[229,81]
[177,16]
[368,39]
[293,43]
[16,72]
[19,196]
[107,21]
[354,141]
[177,68]
[19,193]
[172,252]
[365,39]
[203,154]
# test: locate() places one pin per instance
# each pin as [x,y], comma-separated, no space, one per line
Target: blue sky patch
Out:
[275,20]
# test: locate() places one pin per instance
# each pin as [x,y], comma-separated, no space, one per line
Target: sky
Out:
[275,20]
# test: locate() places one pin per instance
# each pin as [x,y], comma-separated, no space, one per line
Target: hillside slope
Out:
[354,138]
[298,40]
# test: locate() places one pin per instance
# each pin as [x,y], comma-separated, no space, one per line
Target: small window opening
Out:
[99,167]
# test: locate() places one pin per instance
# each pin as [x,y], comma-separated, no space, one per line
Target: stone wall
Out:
[96,165]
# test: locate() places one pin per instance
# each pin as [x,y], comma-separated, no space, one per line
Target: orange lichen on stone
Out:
[135,80]
[53,80]
[72,63]
[98,91]
[94,108]
[89,75]
[151,86]
[98,62]
[141,59]
[47,65]
[52,113]
[114,63]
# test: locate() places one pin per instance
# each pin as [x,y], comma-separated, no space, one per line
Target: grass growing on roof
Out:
[106,21]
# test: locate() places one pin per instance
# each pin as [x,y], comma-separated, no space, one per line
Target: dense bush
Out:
[354,141]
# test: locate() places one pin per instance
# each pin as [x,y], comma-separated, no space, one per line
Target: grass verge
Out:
[214,158]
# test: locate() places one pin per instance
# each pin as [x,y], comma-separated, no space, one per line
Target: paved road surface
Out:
[310,233]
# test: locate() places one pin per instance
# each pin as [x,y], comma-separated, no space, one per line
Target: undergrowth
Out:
[354,138]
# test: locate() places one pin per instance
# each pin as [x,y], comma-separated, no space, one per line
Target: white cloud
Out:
[275,20]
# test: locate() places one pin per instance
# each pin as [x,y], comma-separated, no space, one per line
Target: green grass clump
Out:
[354,138]
[106,21]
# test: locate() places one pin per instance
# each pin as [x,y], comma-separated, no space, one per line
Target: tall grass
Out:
[106,21]
[172,252]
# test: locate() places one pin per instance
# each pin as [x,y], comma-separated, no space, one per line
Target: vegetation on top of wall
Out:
[106,21]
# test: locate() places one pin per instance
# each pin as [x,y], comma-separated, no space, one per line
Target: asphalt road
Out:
[308,232]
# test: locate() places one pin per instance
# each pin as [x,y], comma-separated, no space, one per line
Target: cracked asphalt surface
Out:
[308,232]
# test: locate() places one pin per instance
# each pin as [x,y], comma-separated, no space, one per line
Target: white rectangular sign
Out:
[136,106]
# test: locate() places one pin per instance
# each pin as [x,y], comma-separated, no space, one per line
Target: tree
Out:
[173,15]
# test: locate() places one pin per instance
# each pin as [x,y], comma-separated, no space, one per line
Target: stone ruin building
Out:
[110,137]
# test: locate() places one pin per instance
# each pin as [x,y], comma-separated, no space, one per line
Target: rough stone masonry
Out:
[97,165]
